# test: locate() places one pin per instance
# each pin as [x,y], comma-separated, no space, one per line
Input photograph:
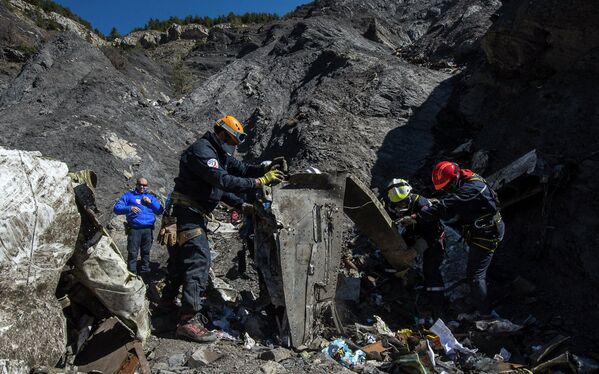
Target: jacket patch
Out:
[213,163]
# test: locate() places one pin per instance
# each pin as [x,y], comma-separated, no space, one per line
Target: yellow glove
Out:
[270,177]
[278,163]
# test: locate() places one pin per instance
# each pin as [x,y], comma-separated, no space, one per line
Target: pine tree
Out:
[114,33]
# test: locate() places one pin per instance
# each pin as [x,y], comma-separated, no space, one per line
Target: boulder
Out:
[194,32]
[38,227]
[149,40]
[146,38]
[174,32]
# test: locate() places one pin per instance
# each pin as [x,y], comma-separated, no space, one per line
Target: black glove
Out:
[247,209]
[407,221]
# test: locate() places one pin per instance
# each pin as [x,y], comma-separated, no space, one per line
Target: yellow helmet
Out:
[398,190]
[233,127]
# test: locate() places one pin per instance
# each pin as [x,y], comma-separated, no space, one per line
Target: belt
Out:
[184,236]
[180,199]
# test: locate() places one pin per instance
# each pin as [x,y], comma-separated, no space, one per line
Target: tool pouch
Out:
[168,231]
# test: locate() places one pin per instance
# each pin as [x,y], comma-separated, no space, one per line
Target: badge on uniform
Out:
[213,163]
[138,201]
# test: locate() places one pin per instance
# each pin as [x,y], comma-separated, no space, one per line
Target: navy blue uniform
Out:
[473,209]
[207,175]
[432,232]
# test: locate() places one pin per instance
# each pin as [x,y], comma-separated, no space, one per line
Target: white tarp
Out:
[104,272]
[39,223]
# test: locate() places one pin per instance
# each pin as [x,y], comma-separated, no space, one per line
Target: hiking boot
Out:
[193,329]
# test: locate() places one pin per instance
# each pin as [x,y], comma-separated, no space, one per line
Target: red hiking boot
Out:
[193,329]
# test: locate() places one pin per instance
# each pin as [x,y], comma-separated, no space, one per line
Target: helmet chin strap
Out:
[229,149]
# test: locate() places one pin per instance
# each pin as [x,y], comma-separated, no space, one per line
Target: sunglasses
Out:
[142,185]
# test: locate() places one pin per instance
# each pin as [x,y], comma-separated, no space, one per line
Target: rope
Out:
[358,207]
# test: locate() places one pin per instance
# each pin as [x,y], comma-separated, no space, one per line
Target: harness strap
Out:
[184,236]
[487,244]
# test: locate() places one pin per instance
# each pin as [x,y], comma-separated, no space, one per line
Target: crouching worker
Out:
[427,237]
[472,207]
[207,173]
[140,206]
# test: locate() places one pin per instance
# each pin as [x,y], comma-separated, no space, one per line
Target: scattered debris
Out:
[503,355]
[340,352]
[447,340]
[248,342]
[375,347]
[544,350]
[381,327]
[497,326]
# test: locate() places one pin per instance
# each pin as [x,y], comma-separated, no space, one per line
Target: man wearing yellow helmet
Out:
[208,173]
[403,202]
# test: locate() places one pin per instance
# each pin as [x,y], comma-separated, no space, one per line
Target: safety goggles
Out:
[238,137]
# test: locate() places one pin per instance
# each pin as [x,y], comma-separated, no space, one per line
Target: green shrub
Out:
[181,78]
[27,49]
[51,6]
[47,24]
[232,18]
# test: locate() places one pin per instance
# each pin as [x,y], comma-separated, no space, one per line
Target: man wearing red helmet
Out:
[472,207]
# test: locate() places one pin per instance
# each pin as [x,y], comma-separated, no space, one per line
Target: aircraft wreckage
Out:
[297,245]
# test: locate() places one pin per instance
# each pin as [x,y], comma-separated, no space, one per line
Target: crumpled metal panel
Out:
[307,213]
[371,218]
[298,238]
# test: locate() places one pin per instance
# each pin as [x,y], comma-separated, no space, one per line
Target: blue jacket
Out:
[146,217]
[208,174]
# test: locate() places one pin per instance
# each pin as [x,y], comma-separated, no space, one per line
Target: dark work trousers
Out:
[478,264]
[188,264]
[433,280]
[479,260]
[136,240]
[431,262]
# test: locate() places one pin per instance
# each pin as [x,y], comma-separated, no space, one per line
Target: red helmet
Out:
[444,173]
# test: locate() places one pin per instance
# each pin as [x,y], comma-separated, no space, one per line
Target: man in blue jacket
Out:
[140,206]
[208,174]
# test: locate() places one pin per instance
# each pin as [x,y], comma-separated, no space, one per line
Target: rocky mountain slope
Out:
[537,89]
[381,88]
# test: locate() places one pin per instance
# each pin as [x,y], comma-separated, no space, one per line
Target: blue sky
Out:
[127,14]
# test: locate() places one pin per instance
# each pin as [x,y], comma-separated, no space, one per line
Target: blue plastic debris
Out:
[340,352]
